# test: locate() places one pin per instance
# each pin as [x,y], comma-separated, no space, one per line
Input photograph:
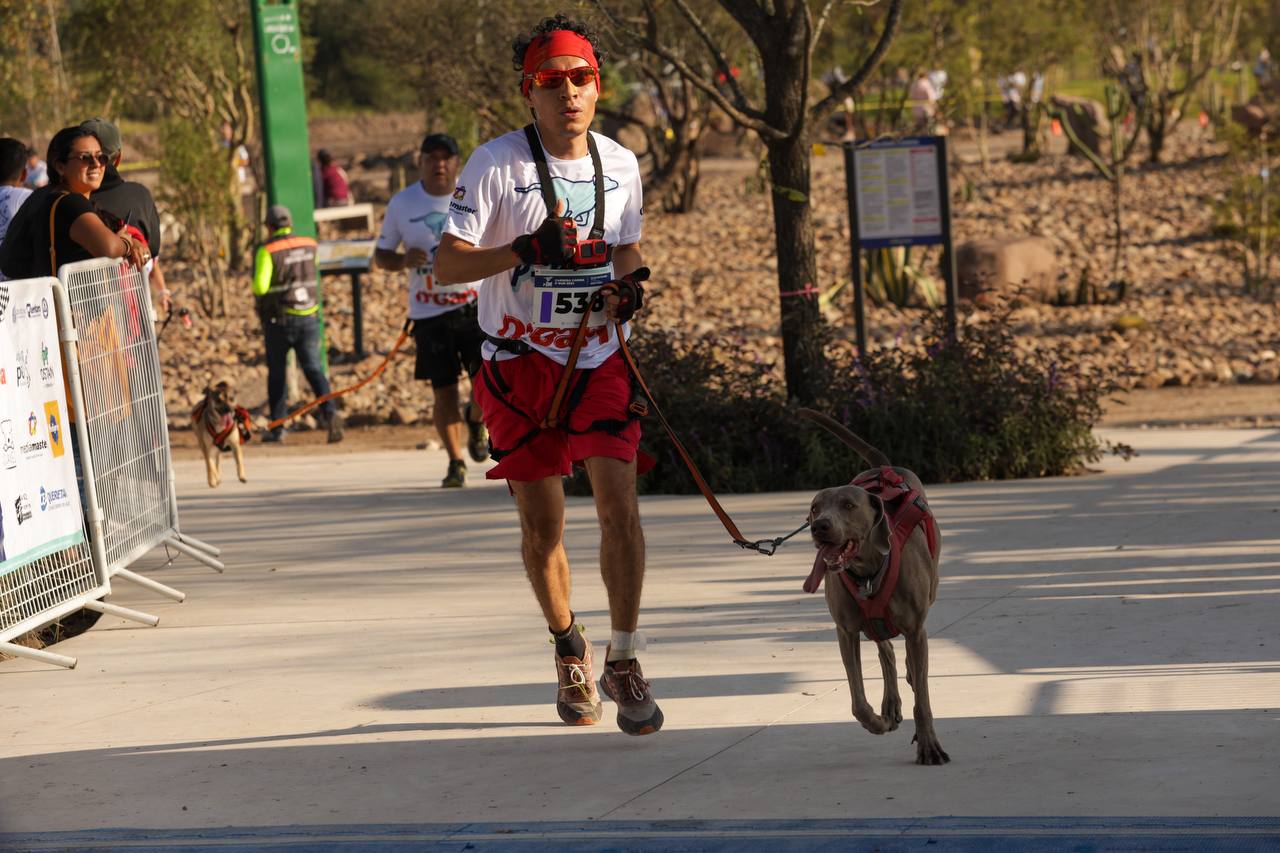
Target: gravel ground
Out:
[1186,324]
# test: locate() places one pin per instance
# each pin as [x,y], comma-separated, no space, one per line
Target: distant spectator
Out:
[333,181]
[131,203]
[1263,70]
[923,96]
[37,172]
[13,171]
[32,249]
[1011,87]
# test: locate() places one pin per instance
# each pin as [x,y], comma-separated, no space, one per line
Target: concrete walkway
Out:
[371,673]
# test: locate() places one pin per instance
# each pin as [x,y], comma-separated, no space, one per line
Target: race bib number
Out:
[561,297]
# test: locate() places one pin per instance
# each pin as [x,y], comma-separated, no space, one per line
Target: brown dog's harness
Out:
[905,510]
[237,418]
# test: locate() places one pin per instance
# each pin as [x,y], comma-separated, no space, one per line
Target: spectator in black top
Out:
[75,156]
[131,202]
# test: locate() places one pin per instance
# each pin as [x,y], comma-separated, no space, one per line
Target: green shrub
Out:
[973,409]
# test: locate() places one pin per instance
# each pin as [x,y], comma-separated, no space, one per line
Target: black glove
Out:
[630,293]
[552,244]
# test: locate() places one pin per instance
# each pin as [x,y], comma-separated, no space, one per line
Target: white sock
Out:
[623,645]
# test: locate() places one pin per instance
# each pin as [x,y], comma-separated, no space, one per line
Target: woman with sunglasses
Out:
[78,165]
[544,217]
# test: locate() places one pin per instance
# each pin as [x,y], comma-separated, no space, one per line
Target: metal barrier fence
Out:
[58,584]
[123,410]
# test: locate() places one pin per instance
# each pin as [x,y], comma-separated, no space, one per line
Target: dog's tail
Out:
[874,457]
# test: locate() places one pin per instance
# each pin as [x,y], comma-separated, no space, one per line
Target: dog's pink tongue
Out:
[825,553]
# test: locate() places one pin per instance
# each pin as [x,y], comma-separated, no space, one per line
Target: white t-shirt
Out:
[498,198]
[415,219]
[11,198]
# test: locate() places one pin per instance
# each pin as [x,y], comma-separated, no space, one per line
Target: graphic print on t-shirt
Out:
[433,222]
[579,196]
[416,219]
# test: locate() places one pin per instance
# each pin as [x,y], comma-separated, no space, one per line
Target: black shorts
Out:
[447,345]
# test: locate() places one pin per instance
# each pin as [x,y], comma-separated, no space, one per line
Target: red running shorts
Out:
[527,385]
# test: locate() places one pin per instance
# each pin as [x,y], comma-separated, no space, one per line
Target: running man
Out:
[541,265]
[444,316]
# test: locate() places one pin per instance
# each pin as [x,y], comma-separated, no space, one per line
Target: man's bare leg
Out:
[541,507]
[448,420]
[613,482]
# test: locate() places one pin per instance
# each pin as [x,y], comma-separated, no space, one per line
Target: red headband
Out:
[556,43]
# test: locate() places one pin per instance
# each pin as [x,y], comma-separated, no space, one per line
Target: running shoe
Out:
[577,702]
[457,476]
[335,428]
[624,683]
[477,438]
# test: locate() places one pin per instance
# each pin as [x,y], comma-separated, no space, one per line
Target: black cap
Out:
[278,216]
[432,141]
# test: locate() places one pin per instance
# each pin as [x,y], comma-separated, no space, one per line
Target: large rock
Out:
[1003,266]
[1087,117]
[1257,115]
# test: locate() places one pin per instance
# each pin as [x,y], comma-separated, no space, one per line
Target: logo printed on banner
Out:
[23,368]
[4,301]
[55,428]
[51,499]
[22,508]
[8,449]
[4,378]
[30,310]
[460,192]
[39,445]
[46,370]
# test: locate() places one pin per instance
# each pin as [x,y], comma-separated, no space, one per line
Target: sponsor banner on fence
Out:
[39,502]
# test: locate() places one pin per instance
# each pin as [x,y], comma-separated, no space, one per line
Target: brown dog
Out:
[853,530]
[220,426]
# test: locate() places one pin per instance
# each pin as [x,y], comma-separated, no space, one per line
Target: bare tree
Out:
[194,57]
[783,34]
[1111,164]
[1162,51]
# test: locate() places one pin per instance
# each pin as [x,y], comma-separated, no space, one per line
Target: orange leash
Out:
[395,348]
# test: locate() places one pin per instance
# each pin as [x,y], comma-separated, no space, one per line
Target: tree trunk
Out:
[797,267]
[1117,264]
[1157,130]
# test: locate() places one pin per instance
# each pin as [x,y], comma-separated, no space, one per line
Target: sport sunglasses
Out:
[554,78]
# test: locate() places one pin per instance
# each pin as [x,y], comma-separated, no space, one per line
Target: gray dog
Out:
[878,537]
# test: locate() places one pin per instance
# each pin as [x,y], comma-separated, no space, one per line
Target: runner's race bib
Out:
[562,296]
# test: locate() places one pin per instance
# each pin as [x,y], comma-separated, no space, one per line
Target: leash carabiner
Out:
[768,547]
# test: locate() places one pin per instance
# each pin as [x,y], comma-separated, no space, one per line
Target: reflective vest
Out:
[293,277]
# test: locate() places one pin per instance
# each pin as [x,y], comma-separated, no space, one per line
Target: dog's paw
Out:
[872,722]
[929,751]
[244,479]
[891,710]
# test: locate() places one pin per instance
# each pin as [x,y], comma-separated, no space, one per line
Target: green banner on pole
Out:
[284,111]
[282,99]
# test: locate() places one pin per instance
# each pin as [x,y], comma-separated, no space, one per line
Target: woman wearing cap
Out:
[545,217]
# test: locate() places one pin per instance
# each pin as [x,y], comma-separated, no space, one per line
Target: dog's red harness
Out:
[905,509]
[237,418]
